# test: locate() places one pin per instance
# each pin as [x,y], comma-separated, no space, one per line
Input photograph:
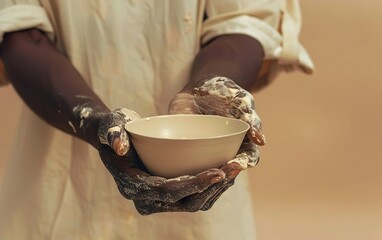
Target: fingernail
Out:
[121,147]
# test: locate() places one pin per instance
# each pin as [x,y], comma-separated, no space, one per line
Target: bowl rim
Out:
[188,115]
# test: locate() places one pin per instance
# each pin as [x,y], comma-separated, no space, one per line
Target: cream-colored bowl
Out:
[176,145]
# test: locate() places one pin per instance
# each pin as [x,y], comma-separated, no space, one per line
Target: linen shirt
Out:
[135,54]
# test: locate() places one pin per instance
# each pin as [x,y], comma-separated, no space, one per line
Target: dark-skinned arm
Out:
[238,57]
[55,91]
[49,84]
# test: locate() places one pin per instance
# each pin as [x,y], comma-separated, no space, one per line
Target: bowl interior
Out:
[186,126]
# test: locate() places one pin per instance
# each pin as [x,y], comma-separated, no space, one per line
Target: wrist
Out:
[88,117]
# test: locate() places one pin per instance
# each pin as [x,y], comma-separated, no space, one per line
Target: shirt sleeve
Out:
[17,15]
[275,24]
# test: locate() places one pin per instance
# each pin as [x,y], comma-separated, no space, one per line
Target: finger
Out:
[112,133]
[248,155]
[243,107]
[135,184]
[119,139]
[172,190]
[208,205]
[120,142]
[246,106]
[191,203]
[147,207]
[245,160]
[255,135]
[232,169]
[116,137]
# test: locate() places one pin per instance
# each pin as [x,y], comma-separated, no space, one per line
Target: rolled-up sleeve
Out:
[17,15]
[275,24]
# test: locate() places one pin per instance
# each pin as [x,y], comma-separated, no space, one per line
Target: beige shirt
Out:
[135,54]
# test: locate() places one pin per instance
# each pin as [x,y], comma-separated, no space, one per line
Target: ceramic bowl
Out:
[176,145]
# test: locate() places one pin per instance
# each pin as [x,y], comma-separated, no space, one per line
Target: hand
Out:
[222,96]
[153,194]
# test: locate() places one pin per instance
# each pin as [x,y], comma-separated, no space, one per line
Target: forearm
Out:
[238,57]
[50,85]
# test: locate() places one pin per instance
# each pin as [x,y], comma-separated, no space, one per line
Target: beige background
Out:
[320,174]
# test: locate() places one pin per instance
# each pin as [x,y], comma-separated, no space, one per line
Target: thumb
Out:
[112,130]
[255,134]
[119,141]
[115,137]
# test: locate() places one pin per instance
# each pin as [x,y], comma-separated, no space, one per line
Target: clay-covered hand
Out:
[152,194]
[222,96]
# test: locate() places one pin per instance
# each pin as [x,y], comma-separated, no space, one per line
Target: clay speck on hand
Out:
[71,125]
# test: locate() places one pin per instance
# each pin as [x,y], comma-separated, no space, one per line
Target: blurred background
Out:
[320,173]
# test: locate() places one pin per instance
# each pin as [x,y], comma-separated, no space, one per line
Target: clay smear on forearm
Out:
[83,112]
